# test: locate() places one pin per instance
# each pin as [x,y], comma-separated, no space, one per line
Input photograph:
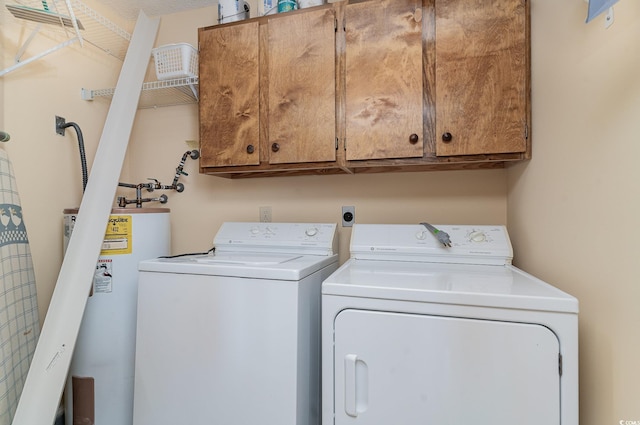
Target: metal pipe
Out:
[83,156]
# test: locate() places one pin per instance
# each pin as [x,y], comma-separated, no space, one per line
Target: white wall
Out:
[48,171]
[47,166]
[573,210]
[160,135]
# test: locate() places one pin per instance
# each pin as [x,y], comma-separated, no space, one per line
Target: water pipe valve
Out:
[156,185]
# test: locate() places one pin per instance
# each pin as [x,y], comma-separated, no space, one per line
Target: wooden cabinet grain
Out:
[383,50]
[229,96]
[302,88]
[268,97]
[367,86]
[481,77]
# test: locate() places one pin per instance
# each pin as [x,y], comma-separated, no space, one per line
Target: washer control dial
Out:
[311,231]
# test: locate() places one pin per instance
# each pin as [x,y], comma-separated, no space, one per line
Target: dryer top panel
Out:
[439,283]
[400,242]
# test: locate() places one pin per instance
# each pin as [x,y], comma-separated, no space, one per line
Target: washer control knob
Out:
[254,230]
[421,235]
[477,236]
[311,231]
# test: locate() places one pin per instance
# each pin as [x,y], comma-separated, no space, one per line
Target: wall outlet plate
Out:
[348,216]
[265,214]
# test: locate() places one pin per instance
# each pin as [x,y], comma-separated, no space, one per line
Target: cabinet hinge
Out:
[526,131]
[345,144]
[336,143]
[335,22]
[560,364]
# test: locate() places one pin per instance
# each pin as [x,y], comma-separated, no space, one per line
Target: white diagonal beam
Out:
[50,365]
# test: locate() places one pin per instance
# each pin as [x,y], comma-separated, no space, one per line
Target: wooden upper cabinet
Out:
[367,86]
[229,95]
[481,77]
[384,79]
[302,88]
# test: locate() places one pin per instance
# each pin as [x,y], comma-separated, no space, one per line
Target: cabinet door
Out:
[229,98]
[395,368]
[481,77]
[384,79]
[302,89]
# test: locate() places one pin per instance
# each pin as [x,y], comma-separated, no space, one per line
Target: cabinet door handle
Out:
[413,139]
[447,137]
[250,149]
[275,147]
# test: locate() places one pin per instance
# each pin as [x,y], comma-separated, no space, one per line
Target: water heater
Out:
[99,388]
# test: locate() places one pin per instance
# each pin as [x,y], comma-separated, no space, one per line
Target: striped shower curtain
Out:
[19,325]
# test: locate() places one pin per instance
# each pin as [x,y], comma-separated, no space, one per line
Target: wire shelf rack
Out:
[179,91]
[67,22]
[72,21]
[101,32]
[111,37]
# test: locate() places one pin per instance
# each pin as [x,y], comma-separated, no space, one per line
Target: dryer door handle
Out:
[356,392]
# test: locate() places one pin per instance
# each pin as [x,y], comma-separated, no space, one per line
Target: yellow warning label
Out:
[118,237]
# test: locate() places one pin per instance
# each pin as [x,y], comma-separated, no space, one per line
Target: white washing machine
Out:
[234,338]
[415,332]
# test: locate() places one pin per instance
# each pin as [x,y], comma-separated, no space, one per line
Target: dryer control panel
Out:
[469,244]
[299,238]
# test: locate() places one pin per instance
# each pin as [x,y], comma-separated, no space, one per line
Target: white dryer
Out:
[415,332]
[234,338]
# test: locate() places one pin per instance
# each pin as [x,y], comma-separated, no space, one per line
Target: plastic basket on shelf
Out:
[178,60]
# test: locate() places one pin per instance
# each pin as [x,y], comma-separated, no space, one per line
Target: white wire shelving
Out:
[178,91]
[71,21]
[66,22]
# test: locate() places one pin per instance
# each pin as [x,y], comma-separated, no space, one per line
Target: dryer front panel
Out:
[393,368]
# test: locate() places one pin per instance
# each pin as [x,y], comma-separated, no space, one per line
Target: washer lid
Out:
[460,284]
[255,259]
[257,265]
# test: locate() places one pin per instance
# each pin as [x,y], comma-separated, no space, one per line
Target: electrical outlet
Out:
[265,214]
[348,216]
